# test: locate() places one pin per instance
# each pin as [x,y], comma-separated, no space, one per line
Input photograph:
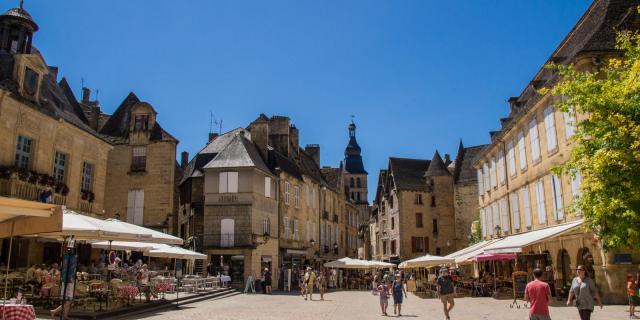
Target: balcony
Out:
[229,240]
[30,185]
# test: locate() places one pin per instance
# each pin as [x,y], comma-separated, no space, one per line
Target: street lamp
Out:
[498,230]
[312,242]
[265,237]
[335,248]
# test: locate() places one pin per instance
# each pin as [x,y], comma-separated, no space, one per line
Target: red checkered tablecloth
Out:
[18,312]
[129,292]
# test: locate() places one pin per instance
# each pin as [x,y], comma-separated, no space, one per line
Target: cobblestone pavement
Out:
[359,305]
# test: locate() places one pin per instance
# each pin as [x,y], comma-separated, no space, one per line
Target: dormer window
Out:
[30,81]
[141,122]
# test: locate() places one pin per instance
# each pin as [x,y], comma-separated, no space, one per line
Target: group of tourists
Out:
[311,279]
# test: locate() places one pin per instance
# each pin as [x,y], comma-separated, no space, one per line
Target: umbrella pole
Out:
[495,288]
[108,277]
[4,301]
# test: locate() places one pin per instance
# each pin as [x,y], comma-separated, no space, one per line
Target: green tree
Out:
[606,143]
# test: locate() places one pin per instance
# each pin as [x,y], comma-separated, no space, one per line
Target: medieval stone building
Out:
[423,206]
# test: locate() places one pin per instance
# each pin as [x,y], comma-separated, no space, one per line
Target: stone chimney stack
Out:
[314,151]
[184,159]
[447,159]
[260,134]
[86,95]
[54,72]
[279,134]
[294,136]
[212,136]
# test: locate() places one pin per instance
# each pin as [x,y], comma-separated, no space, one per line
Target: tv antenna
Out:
[214,123]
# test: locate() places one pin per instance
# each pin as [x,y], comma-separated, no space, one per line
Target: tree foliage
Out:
[606,143]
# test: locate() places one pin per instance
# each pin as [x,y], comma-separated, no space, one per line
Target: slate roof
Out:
[332,176]
[464,171]
[408,174]
[278,160]
[436,167]
[20,14]
[117,127]
[239,152]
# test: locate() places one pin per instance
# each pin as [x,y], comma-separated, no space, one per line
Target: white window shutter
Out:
[535,143]
[569,124]
[222,182]
[576,181]
[522,151]
[267,187]
[550,128]
[526,200]
[511,156]
[485,173]
[131,205]
[480,182]
[139,217]
[504,211]
[233,182]
[515,210]
[494,180]
[496,215]
[558,206]
[314,231]
[483,223]
[501,171]
[540,205]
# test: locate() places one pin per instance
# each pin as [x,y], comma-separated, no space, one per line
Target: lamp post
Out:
[335,248]
[498,231]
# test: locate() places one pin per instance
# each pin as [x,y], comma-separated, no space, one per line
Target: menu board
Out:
[519,284]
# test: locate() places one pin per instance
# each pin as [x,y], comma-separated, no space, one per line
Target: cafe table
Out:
[12,311]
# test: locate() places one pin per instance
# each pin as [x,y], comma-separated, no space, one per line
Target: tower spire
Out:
[22,4]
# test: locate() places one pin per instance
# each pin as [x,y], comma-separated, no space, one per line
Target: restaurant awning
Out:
[83,227]
[348,263]
[515,243]
[28,217]
[166,251]
[381,264]
[156,236]
[124,245]
[425,261]
[495,257]
[464,256]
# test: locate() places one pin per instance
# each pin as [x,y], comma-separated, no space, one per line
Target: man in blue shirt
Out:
[445,290]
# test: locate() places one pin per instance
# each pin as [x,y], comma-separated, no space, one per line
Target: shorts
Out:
[68,295]
[446,298]
[534,316]
[634,300]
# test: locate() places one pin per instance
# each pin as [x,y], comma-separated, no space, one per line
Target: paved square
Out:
[359,305]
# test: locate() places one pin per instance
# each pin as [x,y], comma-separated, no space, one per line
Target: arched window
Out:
[359,184]
[351,182]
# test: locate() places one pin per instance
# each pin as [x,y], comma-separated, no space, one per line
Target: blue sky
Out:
[417,75]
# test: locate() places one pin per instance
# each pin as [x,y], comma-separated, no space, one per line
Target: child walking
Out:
[383,292]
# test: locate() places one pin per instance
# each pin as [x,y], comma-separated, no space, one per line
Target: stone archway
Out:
[585,258]
[563,266]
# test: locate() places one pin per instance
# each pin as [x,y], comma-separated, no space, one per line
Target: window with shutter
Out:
[485,174]
[569,124]
[558,206]
[511,156]
[135,207]
[494,180]
[307,233]
[227,233]
[540,206]
[522,153]
[295,230]
[314,231]
[550,128]
[23,152]
[535,143]
[526,201]
[139,159]
[480,182]
[489,220]
[496,215]
[576,181]
[296,196]
[286,193]
[285,222]
[483,223]
[501,171]
[515,210]
[267,187]
[504,212]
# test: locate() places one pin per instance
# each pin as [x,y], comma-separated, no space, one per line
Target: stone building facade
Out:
[141,185]
[518,191]
[46,142]
[423,206]
[279,210]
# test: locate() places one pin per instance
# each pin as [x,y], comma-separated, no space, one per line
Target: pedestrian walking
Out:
[398,291]
[632,292]
[266,277]
[322,283]
[538,293]
[445,290]
[383,292]
[584,292]
[309,280]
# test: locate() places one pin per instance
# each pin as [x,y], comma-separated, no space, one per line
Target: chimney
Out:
[294,136]
[260,135]
[86,95]
[212,136]
[447,158]
[279,134]
[184,159]
[513,104]
[314,151]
